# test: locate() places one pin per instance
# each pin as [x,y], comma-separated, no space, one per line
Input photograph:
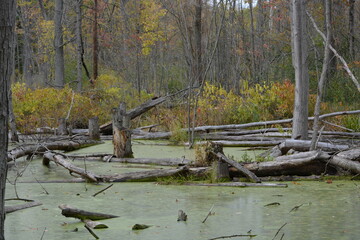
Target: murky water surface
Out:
[327,211]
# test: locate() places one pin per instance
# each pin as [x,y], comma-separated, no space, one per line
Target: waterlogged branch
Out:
[346,67]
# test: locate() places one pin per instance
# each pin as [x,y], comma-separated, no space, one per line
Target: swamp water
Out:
[327,211]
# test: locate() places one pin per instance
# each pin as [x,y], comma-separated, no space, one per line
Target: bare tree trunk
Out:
[59,48]
[252,43]
[299,53]
[12,124]
[7,37]
[79,47]
[198,40]
[351,28]
[27,48]
[322,77]
[95,43]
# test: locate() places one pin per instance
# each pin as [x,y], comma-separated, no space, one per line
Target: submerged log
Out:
[10,209]
[239,167]
[69,211]
[27,149]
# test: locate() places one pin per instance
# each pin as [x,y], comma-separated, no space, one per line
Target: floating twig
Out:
[279,231]
[102,190]
[272,204]
[209,213]
[91,232]
[42,235]
[296,208]
[232,236]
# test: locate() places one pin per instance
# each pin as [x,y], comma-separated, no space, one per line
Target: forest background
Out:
[78,59]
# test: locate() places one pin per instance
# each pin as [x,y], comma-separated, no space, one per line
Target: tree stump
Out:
[222,170]
[94,130]
[204,153]
[62,130]
[121,132]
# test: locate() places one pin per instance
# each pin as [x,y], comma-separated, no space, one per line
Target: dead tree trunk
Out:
[62,130]
[121,132]
[239,167]
[94,131]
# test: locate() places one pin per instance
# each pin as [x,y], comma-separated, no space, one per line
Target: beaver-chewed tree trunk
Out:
[121,132]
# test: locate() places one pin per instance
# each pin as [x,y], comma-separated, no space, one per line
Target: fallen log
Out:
[10,209]
[246,143]
[304,145]
[154,161]
[140,135]
[298,166]
[268,123]
[143,175]
[243,138]
[69,211]
[238,184]
[352,154]
[60,159]
[239,167]
[346,160]
[303,155]
[28,149]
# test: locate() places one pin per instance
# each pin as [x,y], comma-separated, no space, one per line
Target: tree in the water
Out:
[7,24]
[299,56]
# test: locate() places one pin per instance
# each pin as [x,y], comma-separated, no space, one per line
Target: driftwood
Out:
[238,166]
[28,149]
[304,145]
[10,209]
[237,184]
[69,211]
